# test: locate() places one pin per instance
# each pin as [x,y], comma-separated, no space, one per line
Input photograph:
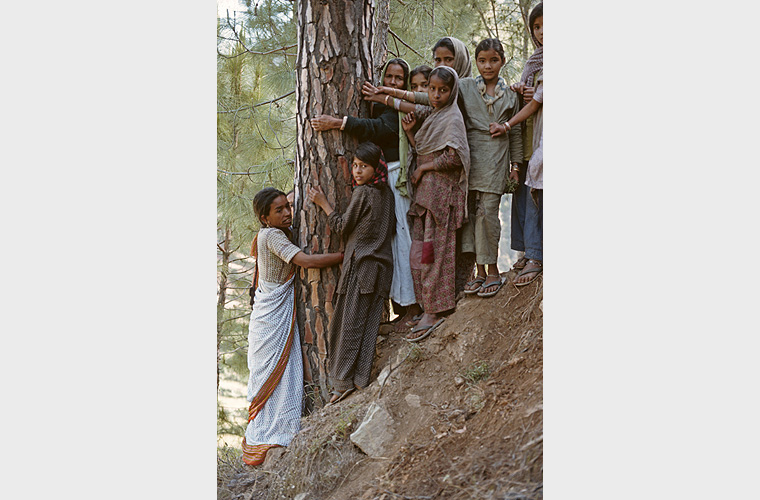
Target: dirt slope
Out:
[467,410]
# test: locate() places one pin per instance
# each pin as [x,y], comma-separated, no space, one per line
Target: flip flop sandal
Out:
[520,264]
[476,281]
[498,286]
[341,396]
[414,321]
[538,270]
[428,330]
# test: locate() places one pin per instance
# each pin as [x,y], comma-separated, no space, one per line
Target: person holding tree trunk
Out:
[450,52]
[275,384]
[384,129]
[367,228]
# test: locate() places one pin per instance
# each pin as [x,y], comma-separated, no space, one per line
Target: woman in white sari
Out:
[275,386]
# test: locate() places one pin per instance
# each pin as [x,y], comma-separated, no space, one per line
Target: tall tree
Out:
[335,56]
[339,44]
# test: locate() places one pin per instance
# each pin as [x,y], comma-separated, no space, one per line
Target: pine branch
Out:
[234,318]
[246,50]
[234,350]
[233,27]
[495,20]
[259,104]
[483,18]
[404,43]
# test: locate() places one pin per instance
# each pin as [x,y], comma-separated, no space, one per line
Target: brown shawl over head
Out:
[462,63]
[444,127]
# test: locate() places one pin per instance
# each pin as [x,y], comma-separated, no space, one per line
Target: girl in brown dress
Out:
[367,227]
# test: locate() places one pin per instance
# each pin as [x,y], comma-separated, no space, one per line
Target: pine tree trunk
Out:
[380,28]
[334,58]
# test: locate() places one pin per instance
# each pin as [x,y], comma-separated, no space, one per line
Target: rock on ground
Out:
[375,431]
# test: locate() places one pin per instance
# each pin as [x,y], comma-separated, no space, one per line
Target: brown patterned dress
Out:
[365,281]
[435,215]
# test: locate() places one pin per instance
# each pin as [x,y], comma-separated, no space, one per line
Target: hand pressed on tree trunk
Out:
[325,122]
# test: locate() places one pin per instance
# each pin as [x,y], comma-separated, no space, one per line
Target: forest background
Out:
[256,80]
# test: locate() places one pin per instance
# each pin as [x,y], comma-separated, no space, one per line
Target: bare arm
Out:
[393,98]
[318,260]
[530,108]
[317,197]
[407,123]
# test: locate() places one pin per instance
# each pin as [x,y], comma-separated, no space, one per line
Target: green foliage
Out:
[421,24]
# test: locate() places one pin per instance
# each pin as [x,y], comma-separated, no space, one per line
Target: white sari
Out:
[270,342]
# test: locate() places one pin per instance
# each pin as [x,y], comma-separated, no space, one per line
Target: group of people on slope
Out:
[437,153]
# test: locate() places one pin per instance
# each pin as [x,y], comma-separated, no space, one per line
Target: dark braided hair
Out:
[424,69]
[490,44]
[446,76]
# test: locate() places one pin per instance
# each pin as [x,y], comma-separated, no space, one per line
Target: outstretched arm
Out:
[318,260]
[393,98]
[326,122]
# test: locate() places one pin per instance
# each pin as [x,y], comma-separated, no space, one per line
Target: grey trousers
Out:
[481,233]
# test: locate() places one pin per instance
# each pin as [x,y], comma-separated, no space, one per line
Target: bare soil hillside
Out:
[466,417]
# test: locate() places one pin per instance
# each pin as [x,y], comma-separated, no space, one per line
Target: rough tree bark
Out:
[380,41]
[335,56]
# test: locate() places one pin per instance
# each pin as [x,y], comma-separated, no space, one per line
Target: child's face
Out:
[538,29]
[438,92]
[394,76]
[444,56]
[362,172]
[489,64]
[419,83]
